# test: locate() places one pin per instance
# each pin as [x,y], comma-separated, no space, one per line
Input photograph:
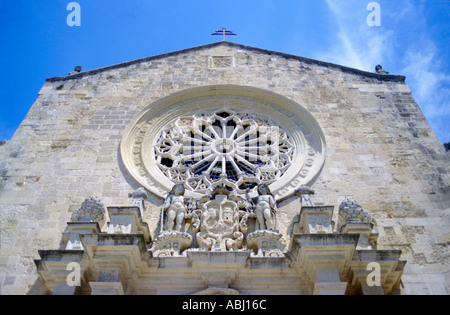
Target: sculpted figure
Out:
[175,208]
[265,208]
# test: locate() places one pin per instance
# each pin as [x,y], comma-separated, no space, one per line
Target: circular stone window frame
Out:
[137,144]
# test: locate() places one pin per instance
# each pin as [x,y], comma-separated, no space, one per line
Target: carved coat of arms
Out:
[223,224]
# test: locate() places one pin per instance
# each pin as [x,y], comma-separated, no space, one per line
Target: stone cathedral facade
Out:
[224,169]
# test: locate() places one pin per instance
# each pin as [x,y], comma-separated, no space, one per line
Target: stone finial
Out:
[76,70]
[354,219]
[379,70]
[91,210]
[352,211]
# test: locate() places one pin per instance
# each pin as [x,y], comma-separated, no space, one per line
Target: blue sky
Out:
[36,42]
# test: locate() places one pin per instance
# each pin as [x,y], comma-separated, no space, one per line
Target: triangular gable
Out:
[237,46]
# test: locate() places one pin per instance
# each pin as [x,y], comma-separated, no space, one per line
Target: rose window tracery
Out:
[223,135]
[238,149]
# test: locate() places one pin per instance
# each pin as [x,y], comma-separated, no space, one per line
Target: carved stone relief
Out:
[238,149]
[223,223]
[222,61]
[91,210]
[218,222]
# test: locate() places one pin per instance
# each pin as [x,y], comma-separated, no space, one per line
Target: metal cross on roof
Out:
[223,32]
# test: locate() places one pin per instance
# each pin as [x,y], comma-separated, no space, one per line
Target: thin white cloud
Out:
[429,81]
[430,86]
[359,46]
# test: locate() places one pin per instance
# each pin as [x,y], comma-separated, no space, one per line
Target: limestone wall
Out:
[380,151]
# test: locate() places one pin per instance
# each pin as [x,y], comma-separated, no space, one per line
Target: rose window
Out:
[234,148]
[223,135]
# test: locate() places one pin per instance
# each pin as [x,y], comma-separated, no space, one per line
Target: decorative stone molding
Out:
[211,136]
[218,62]
[266,243]
[52,269]
[390,269]
[171,243]
[228,260]
[115,259]
[218,269]
[325,259]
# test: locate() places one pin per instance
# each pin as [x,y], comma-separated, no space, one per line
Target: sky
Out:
[410,38]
